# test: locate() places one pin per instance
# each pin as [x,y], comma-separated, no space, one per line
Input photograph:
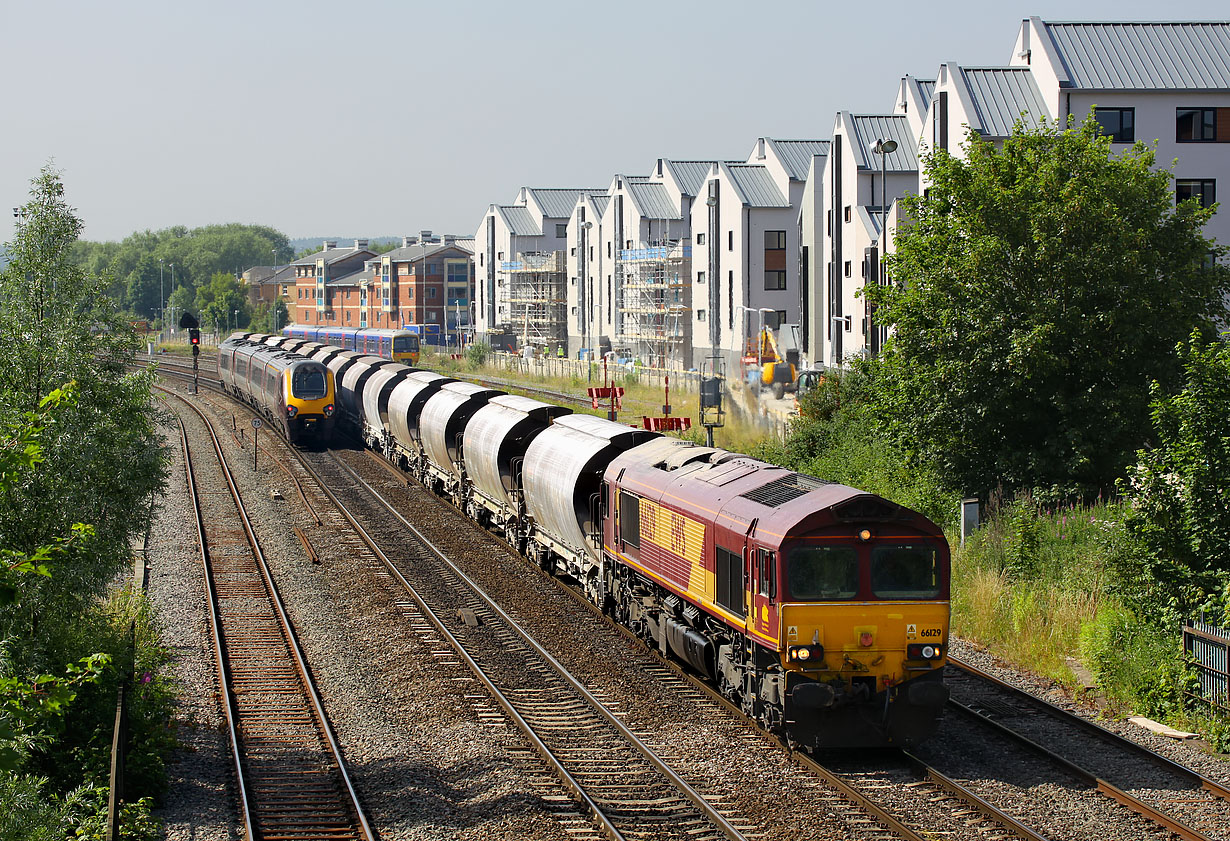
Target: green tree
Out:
[1036,291]
[221,304]
[1180,499]
[101,458]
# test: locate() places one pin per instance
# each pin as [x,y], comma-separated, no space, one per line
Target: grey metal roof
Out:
[755,185]
[353,279]
[864,129]
[410,253]
[558,203]
[331,255]
[1143,56]
[600,202]
[652,200]
[520,220]
[1000,96]
[926,90]
[690,175]
[797,154]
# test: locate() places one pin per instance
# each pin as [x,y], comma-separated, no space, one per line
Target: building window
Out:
[847,268]
[730,240]
[500,255]
[1203,190]
[700,315]
[1119,124]
[775,279]
[561,230]
[608,250]
[700,239]
[572,252]
[700,277]
[1195,125]
[774,240]
[828,222]
[847,215]
[431,292]
[780,315]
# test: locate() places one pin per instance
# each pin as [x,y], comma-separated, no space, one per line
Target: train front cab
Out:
[309,398]
[406,347]
[857,614]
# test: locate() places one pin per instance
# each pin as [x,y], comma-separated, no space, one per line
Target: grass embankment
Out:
[1047,589]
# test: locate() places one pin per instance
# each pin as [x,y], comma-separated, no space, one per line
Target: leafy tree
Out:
[218,302]
[1037,290]
[100,456]
[268,318]
[1178,491]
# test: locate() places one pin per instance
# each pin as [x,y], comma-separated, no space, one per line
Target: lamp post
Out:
[883,148]
[161,298]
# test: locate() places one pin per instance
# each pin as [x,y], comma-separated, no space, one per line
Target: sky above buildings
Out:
[381,118]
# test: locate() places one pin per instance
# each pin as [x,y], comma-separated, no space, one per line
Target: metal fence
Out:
[1207,648]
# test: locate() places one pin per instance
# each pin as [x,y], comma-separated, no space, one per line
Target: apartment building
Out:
[520,265]
[424,285]
[315,301]
[1163,82]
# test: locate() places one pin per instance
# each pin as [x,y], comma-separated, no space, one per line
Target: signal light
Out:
[921,651]
[194,336]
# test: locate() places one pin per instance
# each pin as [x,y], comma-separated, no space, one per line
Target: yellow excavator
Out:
[778,371]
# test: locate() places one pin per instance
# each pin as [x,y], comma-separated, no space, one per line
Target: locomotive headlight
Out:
[923,651]
[803,654]
[928,652]
[329,410]
[864,535]
[291,411]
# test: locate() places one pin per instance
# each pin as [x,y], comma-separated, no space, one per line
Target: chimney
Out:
[406,242]
[659,167]
[449,239]
[330,243]
[425,236]
[360,244]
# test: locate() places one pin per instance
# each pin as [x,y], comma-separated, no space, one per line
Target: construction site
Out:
[654,302]
[538,298]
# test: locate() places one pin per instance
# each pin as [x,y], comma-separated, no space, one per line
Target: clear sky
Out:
[378,118]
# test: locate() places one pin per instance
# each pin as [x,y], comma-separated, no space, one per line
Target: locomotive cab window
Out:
[308,383]
[905,571]
[767,577]
[822,573]
[630,519]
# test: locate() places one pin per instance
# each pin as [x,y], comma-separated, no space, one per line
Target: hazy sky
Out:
[371,118]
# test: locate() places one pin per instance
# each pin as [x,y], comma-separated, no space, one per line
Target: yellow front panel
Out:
[865,637]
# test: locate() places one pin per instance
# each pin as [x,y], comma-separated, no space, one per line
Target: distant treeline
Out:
[151,264]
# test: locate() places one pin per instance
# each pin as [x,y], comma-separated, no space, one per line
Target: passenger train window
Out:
[308,383]
[905,571]
[820,573]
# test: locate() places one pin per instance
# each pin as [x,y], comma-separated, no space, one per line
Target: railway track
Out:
[859,796]
[975,812]
[627,789]
[291,778]
[1174,798]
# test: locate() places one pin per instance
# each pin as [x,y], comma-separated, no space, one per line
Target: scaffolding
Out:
[538,298]
[655,302]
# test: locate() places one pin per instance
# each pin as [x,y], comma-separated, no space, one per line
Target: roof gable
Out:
[1001,95]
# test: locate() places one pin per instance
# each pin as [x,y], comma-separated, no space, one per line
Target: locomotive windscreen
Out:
[308,382]
[905,571]
[821,573]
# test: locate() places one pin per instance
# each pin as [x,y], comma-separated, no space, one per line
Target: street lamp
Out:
[161,297]
[883,148]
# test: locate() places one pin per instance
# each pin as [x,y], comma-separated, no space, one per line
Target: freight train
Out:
[821,610]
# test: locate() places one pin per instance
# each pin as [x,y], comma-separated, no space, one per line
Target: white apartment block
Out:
[1163,83]
[520,282]
[858,186]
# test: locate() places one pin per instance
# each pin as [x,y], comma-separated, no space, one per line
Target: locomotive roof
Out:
[733,490]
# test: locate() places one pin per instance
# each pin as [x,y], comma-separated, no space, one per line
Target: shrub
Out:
[476,354]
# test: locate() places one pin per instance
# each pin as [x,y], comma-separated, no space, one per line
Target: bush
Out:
[1137,665]
[476,355]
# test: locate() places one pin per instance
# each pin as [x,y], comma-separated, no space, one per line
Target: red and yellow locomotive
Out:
[820,609]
